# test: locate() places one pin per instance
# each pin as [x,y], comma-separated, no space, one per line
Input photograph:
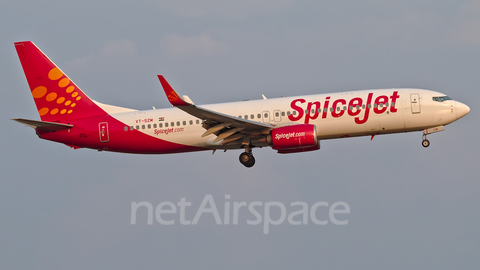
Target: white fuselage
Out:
[335,115]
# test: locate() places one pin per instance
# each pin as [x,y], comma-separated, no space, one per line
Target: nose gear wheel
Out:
[425,142]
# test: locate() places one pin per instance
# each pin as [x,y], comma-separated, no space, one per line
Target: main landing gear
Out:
[425,142]
[246,158]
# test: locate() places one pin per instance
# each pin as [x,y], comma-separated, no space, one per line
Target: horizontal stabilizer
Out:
[43,125]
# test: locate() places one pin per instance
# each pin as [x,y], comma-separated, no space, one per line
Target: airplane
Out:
[286,124]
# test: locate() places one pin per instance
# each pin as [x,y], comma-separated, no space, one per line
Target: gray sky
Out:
[411,208]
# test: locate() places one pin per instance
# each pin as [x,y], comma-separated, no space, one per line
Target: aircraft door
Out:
[266,116]
[103,131]
[415,101]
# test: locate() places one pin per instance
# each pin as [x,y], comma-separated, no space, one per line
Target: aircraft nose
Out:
[461,109]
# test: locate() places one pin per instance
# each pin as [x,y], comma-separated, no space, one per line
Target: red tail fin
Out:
[58,99]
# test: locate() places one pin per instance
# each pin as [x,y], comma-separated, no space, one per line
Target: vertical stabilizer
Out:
[57,98]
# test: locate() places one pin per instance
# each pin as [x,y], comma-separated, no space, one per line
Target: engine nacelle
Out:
[293,137]
[299,150]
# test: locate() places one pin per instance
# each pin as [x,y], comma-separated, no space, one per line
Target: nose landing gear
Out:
[246,158]
[425,142]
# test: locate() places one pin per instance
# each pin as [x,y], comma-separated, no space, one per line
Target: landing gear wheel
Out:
[247,159]
[425,143]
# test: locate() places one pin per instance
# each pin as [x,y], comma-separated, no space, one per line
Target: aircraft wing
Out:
[227,128]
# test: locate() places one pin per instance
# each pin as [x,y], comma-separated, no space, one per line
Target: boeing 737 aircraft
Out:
[287,124]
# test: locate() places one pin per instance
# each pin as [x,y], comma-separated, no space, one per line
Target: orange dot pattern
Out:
[39,92]
[55,74]
[43,111]
[61,97]
[51,96]
[63,82]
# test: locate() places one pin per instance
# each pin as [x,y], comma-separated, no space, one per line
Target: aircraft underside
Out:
[287,125]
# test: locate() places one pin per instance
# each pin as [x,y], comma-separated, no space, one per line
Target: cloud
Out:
[115,51]
[467,23]
[224,8]
[118,47]
[179,45]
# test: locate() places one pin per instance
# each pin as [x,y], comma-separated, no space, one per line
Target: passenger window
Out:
[143,126]
[369,106]
[306,112]
[338,109]
[191,122]
[294,112]
[358,107]
[283,113]
[198,121]
[126,129]
[331,109]
[240,116]
[161,125]
[246,116]
[137,127]
[277,114]
[184,123]
[154,125]
[265,115]
[259,116]
[325,110]
[351,108]
[386,104]
[375,105]
[288,113]
[149,126]
[131,128]
[172,124]
[319,110]
[344,108]
[166,124]
[252,116]
[363,106]
[393,104]
[178,123]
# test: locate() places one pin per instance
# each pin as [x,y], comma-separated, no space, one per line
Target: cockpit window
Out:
[441,99]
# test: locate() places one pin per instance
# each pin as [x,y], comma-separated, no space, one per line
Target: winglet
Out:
[172,96]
